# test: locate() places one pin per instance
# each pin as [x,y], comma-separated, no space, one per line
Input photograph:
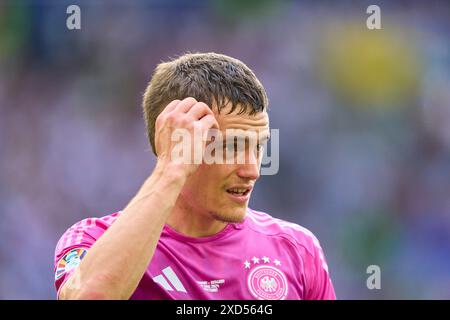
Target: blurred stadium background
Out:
[364,119]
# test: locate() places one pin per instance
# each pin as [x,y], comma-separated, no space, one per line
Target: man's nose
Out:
[250,169]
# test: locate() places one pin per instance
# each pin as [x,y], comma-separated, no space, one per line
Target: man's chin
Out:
[237,215]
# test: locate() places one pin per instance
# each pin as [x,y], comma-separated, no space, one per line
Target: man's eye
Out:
[261,146]
[241,146]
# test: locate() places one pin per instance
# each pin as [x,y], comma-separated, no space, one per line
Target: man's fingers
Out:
[209,122]
[199,110]
[171,106]
[185,105]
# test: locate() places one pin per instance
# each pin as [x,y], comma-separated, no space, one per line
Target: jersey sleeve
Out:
[71,249]
[320,286]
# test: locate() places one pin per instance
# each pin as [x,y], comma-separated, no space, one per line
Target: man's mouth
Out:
[239,191]
[239,194]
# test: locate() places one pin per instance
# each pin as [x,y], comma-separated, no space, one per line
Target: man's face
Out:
[216,189]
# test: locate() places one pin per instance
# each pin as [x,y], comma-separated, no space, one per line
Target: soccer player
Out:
[188,232]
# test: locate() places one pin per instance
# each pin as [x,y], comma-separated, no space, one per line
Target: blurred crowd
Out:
[364,119]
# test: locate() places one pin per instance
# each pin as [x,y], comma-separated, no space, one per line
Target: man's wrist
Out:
[170,174]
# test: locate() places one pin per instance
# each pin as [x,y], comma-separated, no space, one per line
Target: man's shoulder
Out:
[102,222]
[92,227]
[265,224]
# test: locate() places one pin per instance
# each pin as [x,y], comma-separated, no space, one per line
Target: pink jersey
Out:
[259,258]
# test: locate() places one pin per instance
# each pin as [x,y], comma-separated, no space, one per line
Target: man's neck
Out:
[193,222]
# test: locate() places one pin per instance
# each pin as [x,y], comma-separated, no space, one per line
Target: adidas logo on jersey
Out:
[170,281]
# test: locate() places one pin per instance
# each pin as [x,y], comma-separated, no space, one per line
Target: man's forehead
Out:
[258,122]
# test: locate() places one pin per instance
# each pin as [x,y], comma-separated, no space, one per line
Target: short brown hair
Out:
[207,77]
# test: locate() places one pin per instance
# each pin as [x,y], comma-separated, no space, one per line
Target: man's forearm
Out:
[115,264]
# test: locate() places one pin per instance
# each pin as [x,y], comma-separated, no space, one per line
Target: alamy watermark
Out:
[234,146]
[374,280]
[374,20]
[73,21]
